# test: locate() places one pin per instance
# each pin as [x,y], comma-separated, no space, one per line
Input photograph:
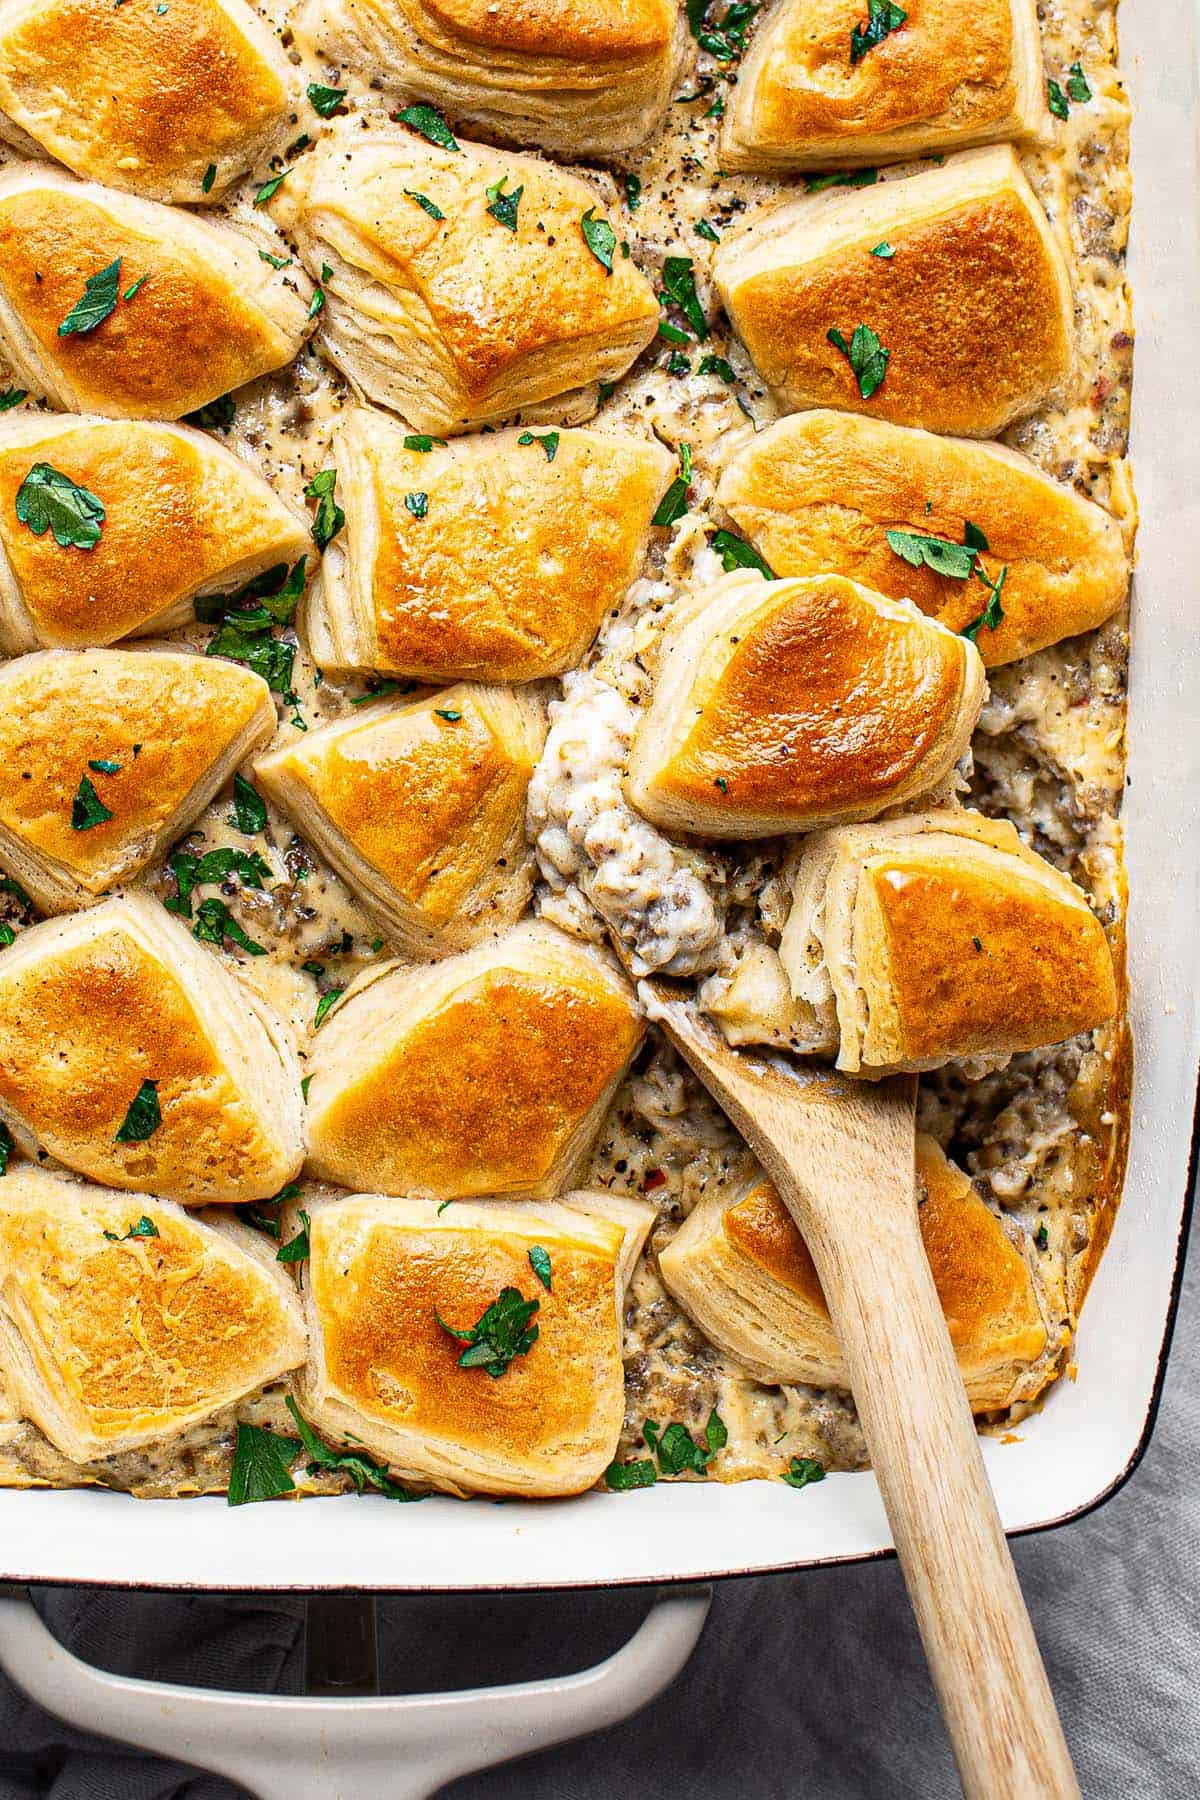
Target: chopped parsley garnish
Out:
[246,638]
[1041,1237]
[866,355]
[736,553]
[143,1118]
[678,1452]
[417,504]
[262,1466]
[317,303]
[883,251]
[679,288]
[87,808]
[362,1470]
[548,440]
[703,229]
[717,365]
[920,549]
[678,364]
[674,503]
[329,517]
[671,333]
[802,1470]
[724,38]
[1077,85]
[99,298]
[209,176]
[425,203]
[104,765]
[192,871]
[500,1333]
[632,185]
[503,207]
[271,187]
[215,923]
[1060,106]
[623,1477]
[429,123]
[325,1005]
[276,262]
[882,19]
[855,178]
[6,1148]
[48,500]
[325,100]
[134,286]
[12,397]
[600,238]
[719,781]
[539,1262]
[379,688]
[215,415]
[417,440]
[993,612]
[144,1228]
[249,807]
[296,1249]
[448,713]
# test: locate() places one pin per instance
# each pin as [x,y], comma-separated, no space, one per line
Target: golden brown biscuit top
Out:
[386,1352]
[518,556]
[821,490]
[140,1328]
[170,513]
[170,89]
[808,87]
[426,798]
[981,1278]
[185,336]
[495,296]
[976,951]
[584,30]
[969,307]
[484,1092]
[83,1028]
[61,714]
[822,703]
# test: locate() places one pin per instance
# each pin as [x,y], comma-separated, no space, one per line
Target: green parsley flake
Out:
[48,500]
[191,871]
[210,175]
[424,202]
[853,178]
[1041,1237]
[6,1148]
[144,1228]
[803,1470]
[325,100]
[447,712]
[262,1466]
[271,187]
[296,1250]
[1060,106]
[98,300]
[418,441]
[993,613]
[325,1005]
[632,185]
[362,1470]
[250,809]
[736,553]
[215,415]
[500,1333]
[717,365]
[600,238]
[104,765]
[417,504]
[623,1477]
[329,517]
[703,229]
[921,550]
[882,19]
[87,808]
[143,1118]
[883,251]
[674,503]
[679,1453]
[679,289]
[429,123]
[12,397]
[549,441]
[215,923]
[276,262]
[866,355]
[503,207]
[671,333]
[539,1262]
[1077,85]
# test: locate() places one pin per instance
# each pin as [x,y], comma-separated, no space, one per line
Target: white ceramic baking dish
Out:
[1092,1431]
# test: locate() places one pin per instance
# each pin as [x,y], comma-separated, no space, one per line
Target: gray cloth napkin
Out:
[812,1683]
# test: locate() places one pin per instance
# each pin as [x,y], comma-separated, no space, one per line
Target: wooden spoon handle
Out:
[986,1666]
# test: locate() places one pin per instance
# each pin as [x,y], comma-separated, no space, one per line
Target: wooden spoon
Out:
[842,1155]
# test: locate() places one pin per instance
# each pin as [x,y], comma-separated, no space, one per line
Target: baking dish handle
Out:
[401,1748]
